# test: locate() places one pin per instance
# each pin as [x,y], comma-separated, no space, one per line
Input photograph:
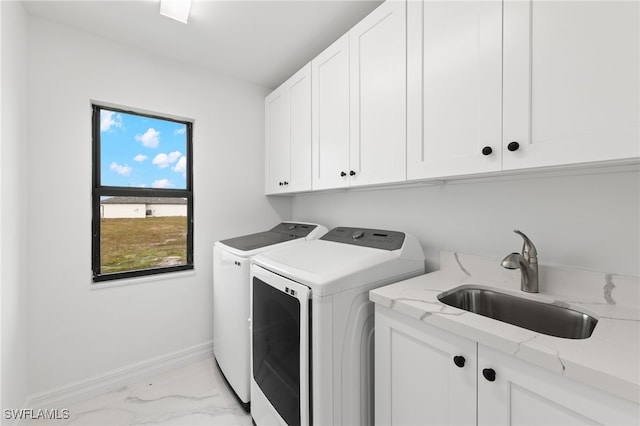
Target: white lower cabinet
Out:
[427,376]
[523,394]
[416,380]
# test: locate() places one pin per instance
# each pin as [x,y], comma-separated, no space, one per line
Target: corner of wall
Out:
[13,226]
[1,239]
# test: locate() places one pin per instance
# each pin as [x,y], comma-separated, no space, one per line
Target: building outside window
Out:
[142,194]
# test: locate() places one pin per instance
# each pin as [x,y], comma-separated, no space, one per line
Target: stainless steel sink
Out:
[546,318]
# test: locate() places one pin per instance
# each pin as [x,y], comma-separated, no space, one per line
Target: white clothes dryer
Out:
[312,325]
[231,259]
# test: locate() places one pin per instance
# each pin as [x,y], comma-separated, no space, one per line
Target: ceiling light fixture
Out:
[176,9]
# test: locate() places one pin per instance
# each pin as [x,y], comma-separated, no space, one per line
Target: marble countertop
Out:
[608,360]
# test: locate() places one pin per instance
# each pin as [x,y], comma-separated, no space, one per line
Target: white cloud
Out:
[163,160]
[181,166]
[140,158]
[121,170]
[109,119]
[150,139]
[180,131]
[162,183]
[173,156]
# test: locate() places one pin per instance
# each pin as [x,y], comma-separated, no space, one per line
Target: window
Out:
[142,194]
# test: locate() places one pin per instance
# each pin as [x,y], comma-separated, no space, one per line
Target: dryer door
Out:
[280,349]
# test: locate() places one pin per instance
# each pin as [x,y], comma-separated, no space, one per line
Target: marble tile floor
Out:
[192,395]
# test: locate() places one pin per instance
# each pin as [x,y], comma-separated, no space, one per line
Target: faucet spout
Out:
[514,261]
[527,262]
[528,249]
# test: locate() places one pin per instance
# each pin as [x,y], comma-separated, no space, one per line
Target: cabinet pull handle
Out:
[459,361]
[352,173]
[489,374]
[280,183]
[343,174]
[285,183]
[487,150]
[513,146]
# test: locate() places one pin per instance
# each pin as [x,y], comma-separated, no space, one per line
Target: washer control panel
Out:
[285,231]
[295,230]
[374,238]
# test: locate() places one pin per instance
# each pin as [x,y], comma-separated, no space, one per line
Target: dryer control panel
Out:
[374,238]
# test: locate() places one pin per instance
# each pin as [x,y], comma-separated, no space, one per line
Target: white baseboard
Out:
[64,396]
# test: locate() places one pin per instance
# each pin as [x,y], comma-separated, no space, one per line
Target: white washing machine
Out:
[231,295]
[312,325]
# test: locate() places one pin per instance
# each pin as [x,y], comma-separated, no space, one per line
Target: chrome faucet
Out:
[527,262]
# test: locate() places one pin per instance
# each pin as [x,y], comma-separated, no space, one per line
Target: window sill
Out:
[141,280]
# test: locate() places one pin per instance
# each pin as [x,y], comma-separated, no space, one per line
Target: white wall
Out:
[123,210]
[13,202]
[140,210]
[159,210]
[585,221]
[77,332]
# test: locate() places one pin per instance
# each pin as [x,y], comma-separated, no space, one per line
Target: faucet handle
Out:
[528,249]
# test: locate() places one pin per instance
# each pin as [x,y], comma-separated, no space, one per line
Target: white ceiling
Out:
[263,42]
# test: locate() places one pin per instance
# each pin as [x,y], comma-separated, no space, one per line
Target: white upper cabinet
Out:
[454,83]
[378,96]
[428,89]
[277,141]
[300,130]
[330,123]
[520,84]
[288,135]
[359,92]
[571,85]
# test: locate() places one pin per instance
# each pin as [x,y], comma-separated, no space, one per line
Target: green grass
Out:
[142,243]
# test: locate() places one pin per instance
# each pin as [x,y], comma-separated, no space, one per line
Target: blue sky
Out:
[142,151]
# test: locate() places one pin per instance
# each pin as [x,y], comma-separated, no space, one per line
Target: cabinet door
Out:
[300,130]
[416,379]
[454,87]
[378,96]
[277,140]
[330,119]
[288,135]
[571,86]
[523,394]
